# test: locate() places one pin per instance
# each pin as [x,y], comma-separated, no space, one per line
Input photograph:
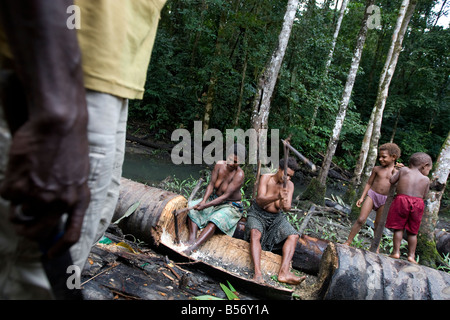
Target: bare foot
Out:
[190,249]
[290,278]
[412,260]
[258,278]
[395,256]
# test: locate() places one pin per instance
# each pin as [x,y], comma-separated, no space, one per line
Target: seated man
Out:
[268,228]
[220,206]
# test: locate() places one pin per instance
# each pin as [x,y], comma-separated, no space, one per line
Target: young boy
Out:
[377,188]
[406,210]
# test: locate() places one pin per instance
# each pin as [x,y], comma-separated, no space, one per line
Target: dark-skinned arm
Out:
[234,185]
[262,199]
[48,162]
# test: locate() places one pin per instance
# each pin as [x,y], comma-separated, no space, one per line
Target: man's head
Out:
[291,167]
[422,161]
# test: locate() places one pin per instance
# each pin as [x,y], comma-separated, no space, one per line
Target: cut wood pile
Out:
[126,270]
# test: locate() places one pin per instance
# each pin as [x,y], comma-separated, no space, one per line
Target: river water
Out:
[151,170]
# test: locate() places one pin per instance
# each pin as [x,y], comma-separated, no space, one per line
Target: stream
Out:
[151,170]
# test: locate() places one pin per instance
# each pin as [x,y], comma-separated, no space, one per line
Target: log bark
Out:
[348,273]
[153,222]
[442,241]
[154,215]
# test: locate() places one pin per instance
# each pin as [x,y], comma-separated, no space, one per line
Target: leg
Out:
[206,233]
[398,236]
[285,275]
[255,251]
[377,222]
[104,117]
[412,244]
[365,211]
[193,229]
[113,192]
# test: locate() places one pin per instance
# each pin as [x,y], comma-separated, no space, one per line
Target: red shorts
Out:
[405,213]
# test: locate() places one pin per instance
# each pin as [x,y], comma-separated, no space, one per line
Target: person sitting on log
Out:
[406,210]
[221,205]
[268,228]
[376,189]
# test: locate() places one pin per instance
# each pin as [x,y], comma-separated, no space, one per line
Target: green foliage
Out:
[213,41]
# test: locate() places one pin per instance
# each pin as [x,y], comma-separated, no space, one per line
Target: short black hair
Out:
[419,158]
[392,148]
[291,163]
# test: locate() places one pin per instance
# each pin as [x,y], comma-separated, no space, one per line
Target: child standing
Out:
[406,210]
[377,188]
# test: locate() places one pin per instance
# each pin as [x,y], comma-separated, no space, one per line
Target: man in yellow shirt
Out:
[65,99]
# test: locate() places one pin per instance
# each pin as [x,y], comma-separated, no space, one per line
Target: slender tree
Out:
[426,245]
[268,79]
[374,126]
[316,190]
[330,57]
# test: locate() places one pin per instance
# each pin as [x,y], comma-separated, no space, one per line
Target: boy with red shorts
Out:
[406,210]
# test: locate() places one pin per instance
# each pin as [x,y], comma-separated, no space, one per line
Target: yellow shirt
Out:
[116,39]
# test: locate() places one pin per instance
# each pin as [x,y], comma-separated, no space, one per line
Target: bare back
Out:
[411,182]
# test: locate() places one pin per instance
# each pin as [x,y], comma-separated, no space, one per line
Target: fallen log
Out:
[442,241]
[153,223]
[347,273]
[308,254]
[147,143]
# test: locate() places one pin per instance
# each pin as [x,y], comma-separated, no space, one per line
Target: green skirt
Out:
[225,216]
[274,227]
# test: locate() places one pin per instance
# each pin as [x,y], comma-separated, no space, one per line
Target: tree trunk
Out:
[266,83]
[241,90]
[214,73]
[332,144]
[426,245]
[394,129]
[330,58]
[348,273]
[405,14]
[336,34]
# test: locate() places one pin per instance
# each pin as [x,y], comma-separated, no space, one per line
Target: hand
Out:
[283,196]
[359,202]
[200,206]
[45,178]
[399,165]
